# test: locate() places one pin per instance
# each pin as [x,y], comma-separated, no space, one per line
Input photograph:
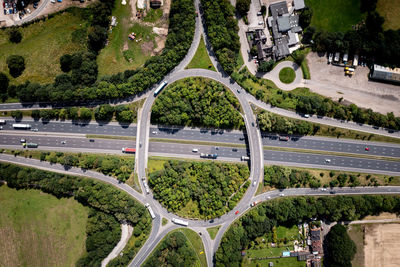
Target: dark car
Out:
[91,140]
[211,221]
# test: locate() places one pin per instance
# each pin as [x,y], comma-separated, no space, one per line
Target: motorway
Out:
[74,137]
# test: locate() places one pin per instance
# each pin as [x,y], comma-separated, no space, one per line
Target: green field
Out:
[121,53]
[356,233]
[201,60]
[37,229]
[287,75]
[43,43]
[213,231]
[390,10]
[335,15]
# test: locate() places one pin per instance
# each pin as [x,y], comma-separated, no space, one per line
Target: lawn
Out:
[43,43]
[287,75]
[213,231]
[335,15]
[201,60]
[37,229]
[121,53]
[153,15]
[390,10]
[356,233]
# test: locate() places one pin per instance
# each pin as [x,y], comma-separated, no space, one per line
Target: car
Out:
[23,140]
[323,189]
[35,5]
[200,233]
[260,23]
[63,142]
[29,11]
[366,148]
[195,150]
[236,212]
[216,148]
[268,197]
[1,127]
[91,140]
[35,130]
[238,90]
[259,13]
[241,138]
[211,221]
[154,132]
[306,116]
[22,3]
[53,1]
[327,161]
[252,124]
[234,149]
[281,194]
[140,144]
[254,183]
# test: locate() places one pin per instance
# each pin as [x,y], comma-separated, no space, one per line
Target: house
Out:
[155,3]
[385,74]
[298,4]
[316,240]
[316,262]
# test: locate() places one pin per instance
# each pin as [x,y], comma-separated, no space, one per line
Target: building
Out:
[298,4]
[385,74]
[156,3]
[316,240]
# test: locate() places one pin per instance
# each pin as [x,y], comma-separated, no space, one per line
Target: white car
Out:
[281,194]
[327,161]
[195,150]
[29,11]
[154,132]
[306,116]
[254,183]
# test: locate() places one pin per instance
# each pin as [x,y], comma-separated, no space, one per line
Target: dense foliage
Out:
[174,250]
[340,249]
[15,36]
[266,66]
[281,178]
[113,205]
[197,102]
[131,82]
[212,187]
[243,6]
[222,31]
[119,167]
[16,65]
[290,211]
[4,81]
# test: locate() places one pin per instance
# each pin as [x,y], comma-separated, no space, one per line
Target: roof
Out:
[283,24]
[315,234]
[285,253]
[385,73]
[293,38]
[278,9]
[299,4]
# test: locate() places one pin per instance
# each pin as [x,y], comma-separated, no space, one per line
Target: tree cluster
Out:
[209,185]
[16,65]
[174,250]
[108,205]
[266,66]
[243,6]
[282,177]
[79,85]
[340,249]
[270,122]
[290,211]
[222,31]
[197,102]
[119,167]
[15,35]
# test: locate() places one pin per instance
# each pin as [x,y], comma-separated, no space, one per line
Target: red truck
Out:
[128,150]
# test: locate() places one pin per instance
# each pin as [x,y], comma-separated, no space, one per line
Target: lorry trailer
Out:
[208,156]
[30,145]
[180,222]
[128,150]
[21,126]
[150,210]
[160,87]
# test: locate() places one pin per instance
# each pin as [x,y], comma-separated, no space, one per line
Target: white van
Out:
[195,150]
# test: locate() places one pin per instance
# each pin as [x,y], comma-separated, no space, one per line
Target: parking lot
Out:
[331,81]
[13,10]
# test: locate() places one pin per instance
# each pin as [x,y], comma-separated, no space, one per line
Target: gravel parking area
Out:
[330,81]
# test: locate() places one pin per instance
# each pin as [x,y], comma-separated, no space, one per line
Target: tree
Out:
[16,65]
[35,114]
[17,115]
[253,50]
[4,82]
[340,249]
[15,36]
[85,114]
[104,113]
[243,6]
[298,57]
[305,17]
[368,5]
[97,38]
[66,62]
[266,66]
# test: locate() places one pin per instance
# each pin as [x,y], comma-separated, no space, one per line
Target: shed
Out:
[285,253]
[386,74]
[299,4]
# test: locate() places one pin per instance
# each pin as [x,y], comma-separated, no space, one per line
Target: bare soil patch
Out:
[147,47]
[330,81]
[382,245]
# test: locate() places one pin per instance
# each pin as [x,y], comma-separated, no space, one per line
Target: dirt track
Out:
[382,245]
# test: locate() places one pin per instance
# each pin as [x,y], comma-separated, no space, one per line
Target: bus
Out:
[160,87]
[180,222]
[21,126]
[2,122]
[150,210]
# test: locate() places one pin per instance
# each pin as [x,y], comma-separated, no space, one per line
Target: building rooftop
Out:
[293,38]
[278,9]
[385,73]
[315,234]
[283,24]
[299,4]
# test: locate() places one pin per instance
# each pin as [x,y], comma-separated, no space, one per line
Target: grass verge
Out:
[205,143]
[117,137]
[164,221]
[213,231]
[37,229]
[356,233]
[196,243]
[287,75]
[43,43]
[201,60]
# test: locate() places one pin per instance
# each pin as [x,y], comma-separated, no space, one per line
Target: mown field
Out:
[43,43]
[121,53]
[201,60]
[390,10]
[335,15]
[37,229]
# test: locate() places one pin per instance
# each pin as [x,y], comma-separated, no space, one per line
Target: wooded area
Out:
[109,206]
[340,249]
[211,186]
[174,250]
[131,82]
[222,31]
[290,211]
[197,102]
